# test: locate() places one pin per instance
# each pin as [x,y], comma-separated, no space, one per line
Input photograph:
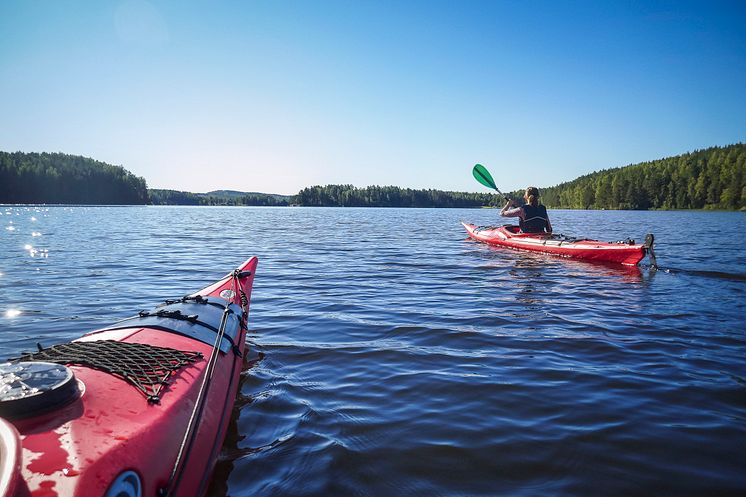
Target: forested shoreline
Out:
[175,197]
[389,196]
[713,178]
[57,178]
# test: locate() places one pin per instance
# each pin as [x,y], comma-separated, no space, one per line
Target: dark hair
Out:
[532,195]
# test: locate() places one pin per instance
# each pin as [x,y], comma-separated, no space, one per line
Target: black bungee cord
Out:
[188,440]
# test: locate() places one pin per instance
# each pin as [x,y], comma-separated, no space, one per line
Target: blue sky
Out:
[272,96]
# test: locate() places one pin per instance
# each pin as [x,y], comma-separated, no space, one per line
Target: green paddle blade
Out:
[483,176]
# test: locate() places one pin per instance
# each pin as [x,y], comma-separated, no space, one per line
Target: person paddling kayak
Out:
[532,217]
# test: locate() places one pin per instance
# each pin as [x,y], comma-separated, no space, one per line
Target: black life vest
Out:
[535,219]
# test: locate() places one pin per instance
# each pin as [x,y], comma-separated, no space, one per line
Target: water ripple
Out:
[392,356]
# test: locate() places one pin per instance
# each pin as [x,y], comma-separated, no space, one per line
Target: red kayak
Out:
[139,408]
[625,252]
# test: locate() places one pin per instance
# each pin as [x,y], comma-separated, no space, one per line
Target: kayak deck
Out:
[114,430]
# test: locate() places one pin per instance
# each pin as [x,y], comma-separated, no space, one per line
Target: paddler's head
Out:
[532,195]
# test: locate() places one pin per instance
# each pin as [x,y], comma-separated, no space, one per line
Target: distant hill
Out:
[56,178]
[231,193]
[714,178]
[216,197]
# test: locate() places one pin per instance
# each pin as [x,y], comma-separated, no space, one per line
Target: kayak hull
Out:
[113,428]
[628,254]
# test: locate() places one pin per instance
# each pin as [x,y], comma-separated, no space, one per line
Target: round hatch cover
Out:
[31,388]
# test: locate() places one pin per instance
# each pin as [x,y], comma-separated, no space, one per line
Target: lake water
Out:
[391,356]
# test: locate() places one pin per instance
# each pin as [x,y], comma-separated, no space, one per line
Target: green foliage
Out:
[43,178]
[714,178]
[219,197]
[389,196]
[173,197]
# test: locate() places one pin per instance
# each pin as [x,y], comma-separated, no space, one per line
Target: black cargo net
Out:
[147,367]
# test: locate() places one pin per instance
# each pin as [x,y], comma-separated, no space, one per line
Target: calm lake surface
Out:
[391,356]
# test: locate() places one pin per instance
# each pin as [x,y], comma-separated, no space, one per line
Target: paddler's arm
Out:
[516,212]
